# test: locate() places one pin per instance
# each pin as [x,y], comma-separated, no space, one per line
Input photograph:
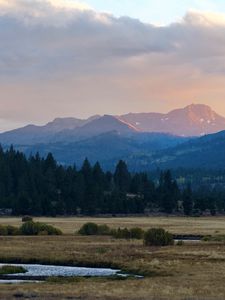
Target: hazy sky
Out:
[155,11]
[70,58]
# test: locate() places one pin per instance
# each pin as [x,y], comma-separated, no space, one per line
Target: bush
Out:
[94,229]
[133,233]
[36,228]
[9,230]
[125,233]
[48,229]
[158,237]
[3,230]
[12,230]
[104,230]
[136,233]
[28,228]
[89,229]
[180,243]
[27,219]
[121,233]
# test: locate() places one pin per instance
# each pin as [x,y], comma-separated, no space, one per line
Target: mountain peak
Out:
[192,120]
[200,113]
[199,108]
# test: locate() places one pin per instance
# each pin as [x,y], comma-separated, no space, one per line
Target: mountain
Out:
[32,134]
[107,148]
[193,120]
[96,127]
[146,141]
[141,151]
[206,152]
[60,124]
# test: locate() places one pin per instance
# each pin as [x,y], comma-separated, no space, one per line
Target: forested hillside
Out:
[39,186]
[206,152]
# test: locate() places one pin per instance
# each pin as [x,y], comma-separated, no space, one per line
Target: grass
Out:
[214,238]
[175,225]
[7,270]
[190,271]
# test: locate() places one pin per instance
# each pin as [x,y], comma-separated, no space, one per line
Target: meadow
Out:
[190,271]
[176,225]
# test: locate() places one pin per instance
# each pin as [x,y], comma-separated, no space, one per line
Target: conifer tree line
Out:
[40,186]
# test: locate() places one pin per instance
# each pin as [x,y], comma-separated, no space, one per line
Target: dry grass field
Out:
[191,271]
[176,225]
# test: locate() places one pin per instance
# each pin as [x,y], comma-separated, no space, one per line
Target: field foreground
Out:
[190,271]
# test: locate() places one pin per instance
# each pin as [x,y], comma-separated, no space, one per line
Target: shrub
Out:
[104,230]
[89,229]
[136,233]
[48,229]
[12,230]
[121,233]
[207,238]
[133,233]
[113,232]
[158,237]
[116,233]
[180,243]
[28,228]
[125,233]
[36,228]
[3,230]
[27,219]
[9,230]
[94,229]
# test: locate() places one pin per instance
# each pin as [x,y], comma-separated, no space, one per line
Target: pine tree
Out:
[187,200]
[122,177]
[168,192]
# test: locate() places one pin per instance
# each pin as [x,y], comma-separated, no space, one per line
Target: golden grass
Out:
[192,271]
[178,225]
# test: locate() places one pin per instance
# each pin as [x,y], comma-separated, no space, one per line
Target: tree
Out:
[98,187]
[168,192]
[88,204]
[187,198]
[40,186]
[122,177]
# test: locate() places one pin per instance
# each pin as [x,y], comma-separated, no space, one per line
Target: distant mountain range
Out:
[193,120]
[185,137]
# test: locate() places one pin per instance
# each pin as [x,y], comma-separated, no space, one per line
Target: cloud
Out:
[208,19]
[35,7]
[111,60]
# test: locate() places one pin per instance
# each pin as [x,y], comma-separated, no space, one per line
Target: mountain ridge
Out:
[193,120]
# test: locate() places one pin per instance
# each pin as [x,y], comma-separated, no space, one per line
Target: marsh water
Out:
[37,271]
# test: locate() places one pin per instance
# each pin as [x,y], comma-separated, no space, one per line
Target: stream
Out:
[41,272]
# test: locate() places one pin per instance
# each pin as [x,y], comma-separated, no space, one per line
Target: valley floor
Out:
[191,271]
[176,225]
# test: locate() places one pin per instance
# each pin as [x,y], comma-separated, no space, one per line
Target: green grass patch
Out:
[8,269]
[215,238]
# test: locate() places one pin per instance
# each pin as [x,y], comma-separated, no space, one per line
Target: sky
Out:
[67,58]
[155,11]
